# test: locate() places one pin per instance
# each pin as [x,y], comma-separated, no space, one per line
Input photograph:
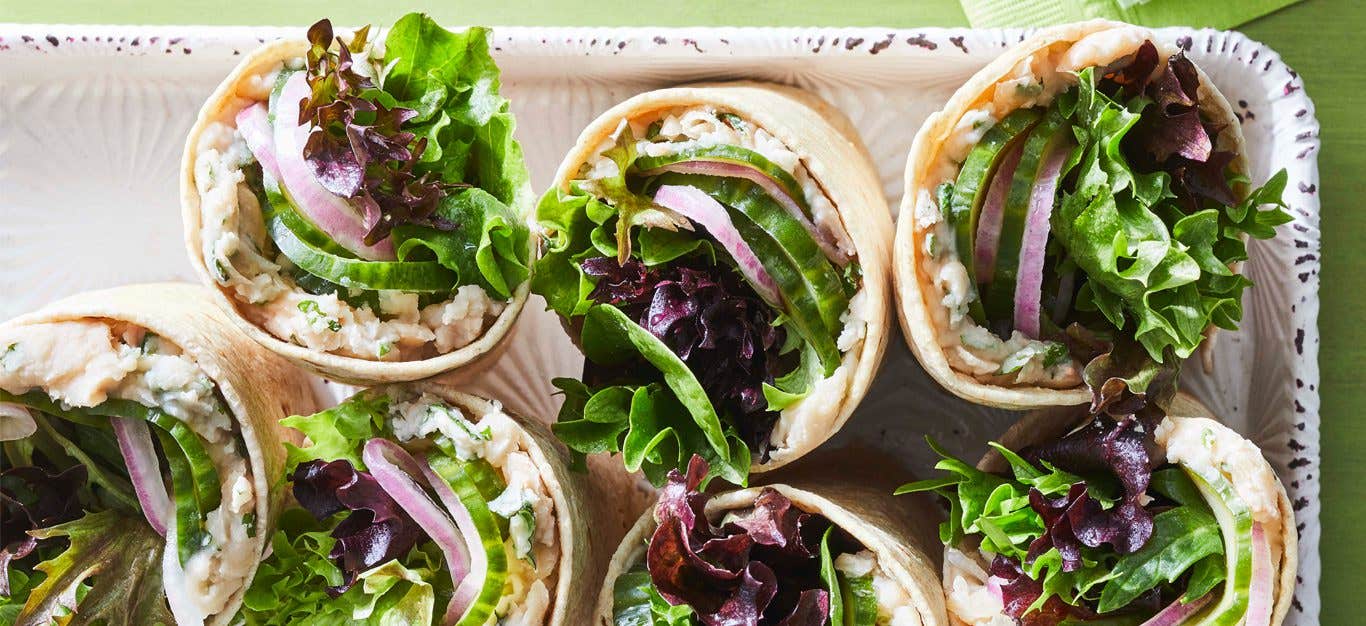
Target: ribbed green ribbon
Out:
[1199,13]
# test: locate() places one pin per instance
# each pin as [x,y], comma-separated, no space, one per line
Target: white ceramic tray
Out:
[92,121]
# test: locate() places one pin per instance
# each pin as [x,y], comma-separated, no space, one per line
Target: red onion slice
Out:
[1260,591]
[1176,612]
[478,566]
[994,587]
[253,123]
[1029,282]
[696,205]
[135,444]
[393,468]
[988,240]
[770,186]
[16,422]
[334,214]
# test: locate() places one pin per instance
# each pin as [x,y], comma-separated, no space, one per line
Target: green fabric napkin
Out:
[1199,13]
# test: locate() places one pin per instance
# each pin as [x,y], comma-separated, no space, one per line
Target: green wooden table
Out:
[1322,39]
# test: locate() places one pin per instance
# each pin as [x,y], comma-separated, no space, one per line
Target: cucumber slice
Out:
[802,309]
[1051,134]
[973,182]
[726,153]
[412,276]
[860,600]
[1235,522]
[464,482]
[810,285]
[822,278]
[275,201]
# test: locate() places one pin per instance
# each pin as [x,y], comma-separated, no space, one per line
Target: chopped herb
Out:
[732,120]
[316,315]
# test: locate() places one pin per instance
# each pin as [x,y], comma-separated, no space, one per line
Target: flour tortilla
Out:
[832,152]
[1055,422]
[223,107]
[914,286]
[258,387]
[884,524]
[589,512]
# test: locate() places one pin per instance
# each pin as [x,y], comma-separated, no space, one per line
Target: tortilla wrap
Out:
[1052,423]
[923,318]
[589,514]
[258,387]
[833,153]
[222,107]
[884,525]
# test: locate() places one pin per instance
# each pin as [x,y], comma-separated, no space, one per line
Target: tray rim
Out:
[830,45]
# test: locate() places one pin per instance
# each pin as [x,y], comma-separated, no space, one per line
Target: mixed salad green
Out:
[86,509]
[705,301]
[388,531]
[1112,215]
[1091,528]
[397,172]
[772,564]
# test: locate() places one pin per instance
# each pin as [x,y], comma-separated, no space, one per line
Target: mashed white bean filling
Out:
[680,128]
[894,604]
[83,364]
[242,259]
[969,348]
[1189,441]
[533,549]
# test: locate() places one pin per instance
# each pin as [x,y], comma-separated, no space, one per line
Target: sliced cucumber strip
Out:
[275,201]
[973,182]
[822,279]
[727,153]
[860,600]
[465,484]
[1050,134]
[355,273]
[1235,522]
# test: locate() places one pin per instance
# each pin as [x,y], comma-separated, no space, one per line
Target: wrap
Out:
[370,230]
[720,254]
[1083,194]
[807,552]
[1174,519]
[164,533]
[423,505]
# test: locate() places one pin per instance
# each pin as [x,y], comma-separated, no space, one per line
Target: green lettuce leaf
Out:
[1151,268]
[1181,537]
[111,570]
[656,427]
[451,80]
[831,579]
[290,586]
[636,602]
[559,274]
[339,432]
[497,261]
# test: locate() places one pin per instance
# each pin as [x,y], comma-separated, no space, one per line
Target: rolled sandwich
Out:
[719,253]
[359,205]
[1153,519]
[795,556]
[140,441]
[1084,194]
[421,505]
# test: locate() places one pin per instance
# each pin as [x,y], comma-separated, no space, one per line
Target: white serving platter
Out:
[92,120]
